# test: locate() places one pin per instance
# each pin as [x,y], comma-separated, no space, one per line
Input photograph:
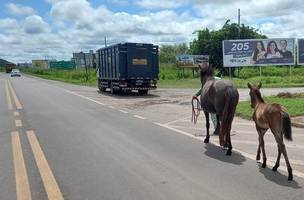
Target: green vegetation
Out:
[68,76]
[171,77]
[294,103]
[168,53]
[210,42]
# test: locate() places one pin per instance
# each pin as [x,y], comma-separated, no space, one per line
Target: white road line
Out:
[178,120]
[123,111]
[139,117]
[178,131]
[84,97]
[16,114]
[112,107]
[18,123]
[250,156]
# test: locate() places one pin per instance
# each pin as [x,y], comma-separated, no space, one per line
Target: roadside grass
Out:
[69,76]
[294,103]
[171,77]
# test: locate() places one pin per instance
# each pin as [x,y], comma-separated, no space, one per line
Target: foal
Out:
[275,117]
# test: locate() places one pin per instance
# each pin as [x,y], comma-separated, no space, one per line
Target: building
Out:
[85,59]
[40,64]
[25,65]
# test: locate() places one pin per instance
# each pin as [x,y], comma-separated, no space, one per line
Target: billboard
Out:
[300,51]
[258,52]
[190,61]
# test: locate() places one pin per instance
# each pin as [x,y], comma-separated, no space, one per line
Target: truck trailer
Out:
[127,67]
[9,67]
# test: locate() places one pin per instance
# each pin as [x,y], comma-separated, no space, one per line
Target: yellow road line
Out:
[48,179]
[22,184]
[17,102]
[18,123]
[8,97]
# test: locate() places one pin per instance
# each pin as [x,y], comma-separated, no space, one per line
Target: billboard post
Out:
[300,52]
[189,61]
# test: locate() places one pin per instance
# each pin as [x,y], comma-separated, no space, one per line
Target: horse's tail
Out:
[232,99]
[286,125]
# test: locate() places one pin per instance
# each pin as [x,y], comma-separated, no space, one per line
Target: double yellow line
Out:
[22,183]
[10,91]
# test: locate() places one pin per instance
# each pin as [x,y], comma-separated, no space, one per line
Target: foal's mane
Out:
[258,95]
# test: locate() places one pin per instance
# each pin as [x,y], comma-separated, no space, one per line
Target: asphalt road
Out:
[76,148]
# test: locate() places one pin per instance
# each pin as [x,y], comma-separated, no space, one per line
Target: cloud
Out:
[72,25]
[159,4]
[17,9]
[35,24]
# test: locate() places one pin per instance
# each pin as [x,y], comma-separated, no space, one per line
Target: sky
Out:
[54,29]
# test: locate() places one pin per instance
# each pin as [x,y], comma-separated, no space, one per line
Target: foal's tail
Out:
[286,126]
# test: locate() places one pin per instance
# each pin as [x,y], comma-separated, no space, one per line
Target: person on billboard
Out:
[284,52]
[259,52]
[272,50]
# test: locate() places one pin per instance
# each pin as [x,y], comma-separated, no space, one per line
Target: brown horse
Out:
[220,97]
[275,117]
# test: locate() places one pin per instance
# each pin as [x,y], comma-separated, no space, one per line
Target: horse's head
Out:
[255,94]
[205,70]
[203,66]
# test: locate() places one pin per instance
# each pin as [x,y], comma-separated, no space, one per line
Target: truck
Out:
[128,66]
[9,67]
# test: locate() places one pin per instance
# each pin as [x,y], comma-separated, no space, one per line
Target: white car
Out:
[15,72]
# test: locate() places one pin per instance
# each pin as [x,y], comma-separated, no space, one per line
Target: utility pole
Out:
[239,23]
[239,32]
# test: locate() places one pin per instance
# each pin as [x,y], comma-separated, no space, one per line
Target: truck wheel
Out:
[112,90]
[102,89]
[143,92]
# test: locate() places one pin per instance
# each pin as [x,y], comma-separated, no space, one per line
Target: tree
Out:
[168,52]
[210,42]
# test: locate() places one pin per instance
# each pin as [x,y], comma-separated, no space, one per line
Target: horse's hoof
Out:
[264,165]
[206,140]
[258,157]
[229,152]
[216,133]
[275,168]
[290,177]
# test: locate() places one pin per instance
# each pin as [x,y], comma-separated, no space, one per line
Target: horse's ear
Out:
[260,85]
[249,86]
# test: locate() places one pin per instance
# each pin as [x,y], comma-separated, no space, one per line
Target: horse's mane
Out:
[259,96]
[207,73]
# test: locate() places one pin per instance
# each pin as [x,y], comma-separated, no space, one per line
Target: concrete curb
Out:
[297,124]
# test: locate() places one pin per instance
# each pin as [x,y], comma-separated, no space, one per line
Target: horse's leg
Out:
[289,169]
[277,164]
[228,140]
[262,144]
[207,127]
[258,156]
[282,149]
[223,128]
[217,128]
[261,133]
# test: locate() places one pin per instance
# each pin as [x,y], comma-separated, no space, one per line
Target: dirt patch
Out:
[290,95]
